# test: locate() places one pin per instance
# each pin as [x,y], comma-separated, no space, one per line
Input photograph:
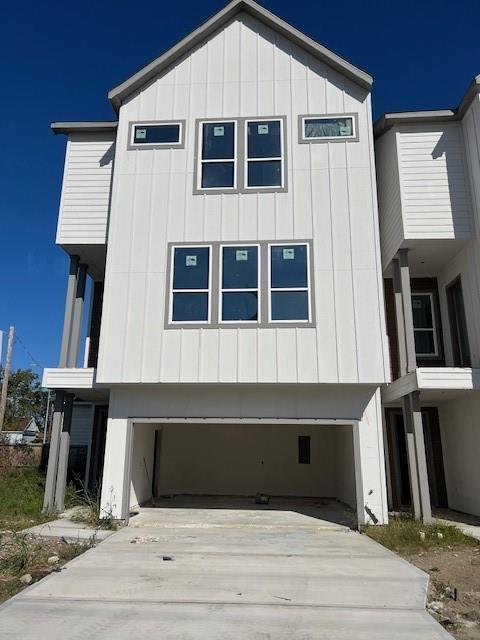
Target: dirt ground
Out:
[454,591]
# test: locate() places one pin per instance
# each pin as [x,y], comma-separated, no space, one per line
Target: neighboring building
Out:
[237,340]
[428,171]
[26,431]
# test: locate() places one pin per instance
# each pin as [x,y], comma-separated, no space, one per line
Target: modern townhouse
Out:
[227,223]
[428,172]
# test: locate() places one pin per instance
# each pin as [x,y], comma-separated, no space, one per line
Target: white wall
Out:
[87,178]
[142,464]
[246,70]
[460,431]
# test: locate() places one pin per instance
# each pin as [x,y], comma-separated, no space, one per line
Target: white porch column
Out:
[115,498]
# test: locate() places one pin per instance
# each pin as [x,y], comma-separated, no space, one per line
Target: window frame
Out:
[199,162]
[302,139]
[172,291]
[433,329]
[246,159]
[156,145]
[308,288]
[222,290]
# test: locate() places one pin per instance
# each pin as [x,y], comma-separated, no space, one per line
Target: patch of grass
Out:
[21,498]
[406,535]
[88,510]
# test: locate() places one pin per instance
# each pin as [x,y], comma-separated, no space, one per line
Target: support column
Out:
[51,480]
[77,316]
[115,499]
[63,452]
[68,315]
[403,312]
[417,461]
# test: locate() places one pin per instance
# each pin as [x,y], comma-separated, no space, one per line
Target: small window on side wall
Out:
[190,285]
[157,134]
[328,128]
[289,287]
[303,449]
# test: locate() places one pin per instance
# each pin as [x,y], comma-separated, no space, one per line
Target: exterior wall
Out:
[389,196]
[87,178]
[359,404]
[142,464]
[245,70]
[460,429]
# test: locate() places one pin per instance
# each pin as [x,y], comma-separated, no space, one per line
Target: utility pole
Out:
[6,373]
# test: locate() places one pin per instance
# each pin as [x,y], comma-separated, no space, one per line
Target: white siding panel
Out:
[85,200]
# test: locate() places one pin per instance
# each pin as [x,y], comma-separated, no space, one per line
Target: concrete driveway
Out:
[290,573]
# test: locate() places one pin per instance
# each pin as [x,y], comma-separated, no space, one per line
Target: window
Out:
[289,283]
[157,134]
[425,332]
[264,143]
[217,155]
[325,128]
[239,284]
[303,449]
[458,325]
[190,285]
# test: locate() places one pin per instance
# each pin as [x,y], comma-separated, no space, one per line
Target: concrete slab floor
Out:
[63,527]
[244,573]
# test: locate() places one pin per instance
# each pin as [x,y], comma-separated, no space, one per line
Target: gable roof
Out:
[118,95]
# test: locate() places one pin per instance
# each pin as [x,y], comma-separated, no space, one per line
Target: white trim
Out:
[221,290]
[433,328]
[172,291]
[143,145]
[304,138]
[201,162]
[280,158]
[268,421]
[272,289]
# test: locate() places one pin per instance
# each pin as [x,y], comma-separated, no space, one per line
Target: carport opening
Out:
[307,468]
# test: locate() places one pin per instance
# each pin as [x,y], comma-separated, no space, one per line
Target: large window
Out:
[289,283]
[190,285]
[425,331]
[239,284]
[264,153]
[157,134]
[217,155]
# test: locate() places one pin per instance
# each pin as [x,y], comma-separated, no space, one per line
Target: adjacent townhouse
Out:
[428,172]
[226,226]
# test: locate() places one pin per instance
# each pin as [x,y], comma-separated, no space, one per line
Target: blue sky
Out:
[59,59]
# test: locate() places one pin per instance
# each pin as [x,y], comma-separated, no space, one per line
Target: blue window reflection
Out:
[218,141]
[289,266]
[217,174]
[239,305]
[289,305]
[190,307]
[265,173]
[157,133]
[191,268]
[263,139]
[240,267]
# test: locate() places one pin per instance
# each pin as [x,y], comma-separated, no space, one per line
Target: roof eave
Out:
[132,84]
[83,127]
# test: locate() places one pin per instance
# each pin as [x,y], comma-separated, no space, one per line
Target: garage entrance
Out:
[288,460]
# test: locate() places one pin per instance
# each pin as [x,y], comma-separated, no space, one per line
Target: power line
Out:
[25,348]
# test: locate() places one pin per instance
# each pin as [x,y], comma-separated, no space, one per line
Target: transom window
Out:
[190,285]
[239,284]
[424,328]
[324,128]
[289,283]
[264,153]
[162,134]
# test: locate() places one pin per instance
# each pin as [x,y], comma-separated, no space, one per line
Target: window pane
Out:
[217,174]
[264,139]
[159,133]
[190,307]
[289,305]
[265,174]
[190,268]
[422,312]
[289,266]
[424,343]
[303,449]
[218,140]
[328,127]
[240,268]
[239,305]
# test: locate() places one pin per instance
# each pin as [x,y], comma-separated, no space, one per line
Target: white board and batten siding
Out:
[87,178]
[430,197]
[246,69]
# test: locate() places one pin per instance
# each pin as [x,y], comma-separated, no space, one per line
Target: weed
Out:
[89,511]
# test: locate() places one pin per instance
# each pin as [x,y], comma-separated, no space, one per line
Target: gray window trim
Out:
[303,140]
[171,291]
[240,157]
[156,145]
[264,287]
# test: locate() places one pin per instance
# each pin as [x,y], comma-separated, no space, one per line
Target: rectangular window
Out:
[190,285]
[264,162]
[425,332]
[239,286]
[217,155]
[289,283]
[167,134]
[327,128]
[303,449]
[458,325]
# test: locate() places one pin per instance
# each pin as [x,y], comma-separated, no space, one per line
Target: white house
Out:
[228,221]
[428,170]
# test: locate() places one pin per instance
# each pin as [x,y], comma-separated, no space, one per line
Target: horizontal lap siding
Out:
[245,70]
[85,200]
[434,183]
